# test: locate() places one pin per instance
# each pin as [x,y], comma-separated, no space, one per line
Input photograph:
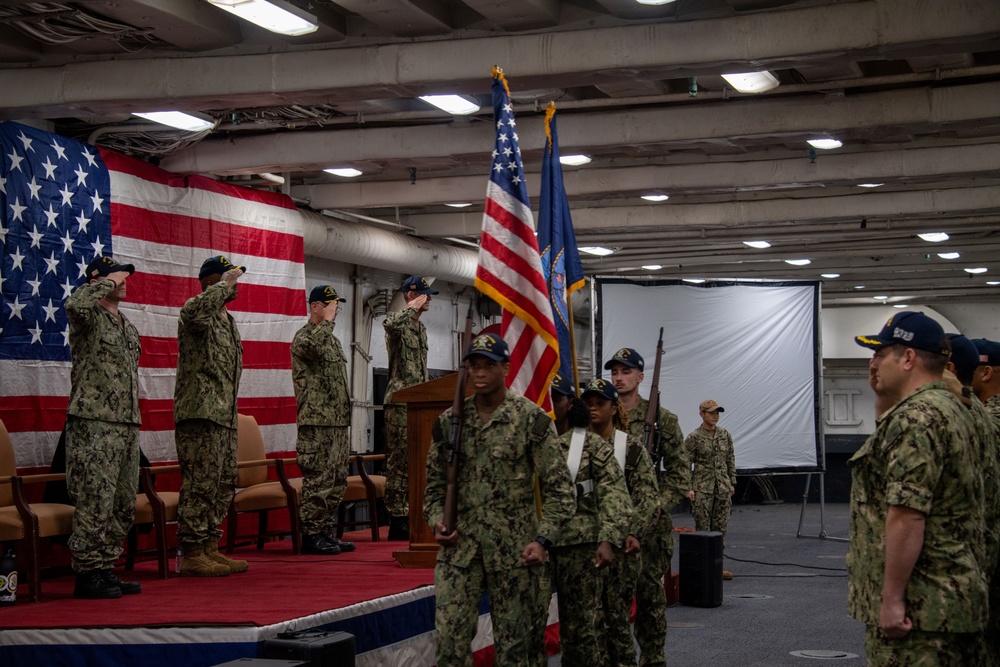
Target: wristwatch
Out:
[544,541]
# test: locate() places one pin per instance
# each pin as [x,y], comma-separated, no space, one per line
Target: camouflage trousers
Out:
[322,456]
[991,636]
[397,461]
[102,477]
[924,649]
[616,604]
[711,509]
[579,586]
[519,600]
[650,598]
[207,456]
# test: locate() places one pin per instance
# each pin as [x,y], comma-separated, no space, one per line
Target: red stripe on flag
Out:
[510,222]
[542,320]
[159,352]
[188,230]
[517,263]
[21,414]
[158,415]
[173,291]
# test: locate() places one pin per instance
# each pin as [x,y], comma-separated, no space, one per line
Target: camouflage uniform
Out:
[406,343]
[496,520]
[209,365]
[319,372]
[920,457]
[989,424]
[674,476]
[625,572]
[603,514]
[102,428]
[714,461]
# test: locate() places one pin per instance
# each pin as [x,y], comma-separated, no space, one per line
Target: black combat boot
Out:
[126,587]
[332,538]
[92,586]
[316,545]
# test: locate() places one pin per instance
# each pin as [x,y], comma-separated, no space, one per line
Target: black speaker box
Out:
[701,569]
[319,649]
[261,662]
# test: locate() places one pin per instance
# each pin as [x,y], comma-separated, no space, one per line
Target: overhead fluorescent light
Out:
[597,250]
[900,305]
[978,269]
[870,185]
[574,160]
[458,105]
[346,172]
[752,82]
[277,16]
[652,267]
[948,255]
[859,287]
[459,204]
[656,197]
[934,237]
[825,143]
[829,275]
[757,244]
[694,281]
[655,2]
[178,119]
[880,298]
[798,262]
[993,282]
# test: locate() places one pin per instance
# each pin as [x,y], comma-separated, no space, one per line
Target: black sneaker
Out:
[316,545]
[92,586]
[399,529]
[333,539]
[126,587]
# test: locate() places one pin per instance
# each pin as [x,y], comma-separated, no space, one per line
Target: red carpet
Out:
[278,587]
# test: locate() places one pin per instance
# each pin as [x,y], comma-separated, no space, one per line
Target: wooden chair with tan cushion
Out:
[362,487]
[25,522]
[255,492]
[152,508]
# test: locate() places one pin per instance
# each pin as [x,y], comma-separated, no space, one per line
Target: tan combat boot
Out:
[235,566]
[197,564]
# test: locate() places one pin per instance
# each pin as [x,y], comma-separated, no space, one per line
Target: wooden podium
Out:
[424,404]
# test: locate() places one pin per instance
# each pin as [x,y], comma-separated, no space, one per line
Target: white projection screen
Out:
[752,347]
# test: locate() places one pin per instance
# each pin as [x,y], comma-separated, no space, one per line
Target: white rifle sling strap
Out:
[621,443]
[573,461]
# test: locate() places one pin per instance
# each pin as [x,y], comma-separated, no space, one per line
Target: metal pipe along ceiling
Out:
[341,241]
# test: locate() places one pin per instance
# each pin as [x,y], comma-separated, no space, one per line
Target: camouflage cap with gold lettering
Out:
[911,329]
[601,387]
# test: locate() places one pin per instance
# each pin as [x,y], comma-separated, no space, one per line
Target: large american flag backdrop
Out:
[62,203]
[510,269]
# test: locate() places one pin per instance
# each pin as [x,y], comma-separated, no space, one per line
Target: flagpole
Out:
[572,344]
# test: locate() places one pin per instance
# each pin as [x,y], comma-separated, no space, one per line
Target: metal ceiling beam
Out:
[889,28]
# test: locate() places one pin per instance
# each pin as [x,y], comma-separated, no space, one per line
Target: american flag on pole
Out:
[560,258]
[62,203]
[510,269]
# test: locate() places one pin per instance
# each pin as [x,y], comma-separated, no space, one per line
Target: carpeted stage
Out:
[204,622]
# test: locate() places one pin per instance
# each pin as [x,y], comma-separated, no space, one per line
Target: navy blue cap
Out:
[561,385]
[325,294]
[626,356]
[490,346]
[105,265]
[911,329]
[217,265]
[417,284]
[989,351]
[964,354]
[602,388]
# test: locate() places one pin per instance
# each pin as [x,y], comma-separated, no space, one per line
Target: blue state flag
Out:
[561,264]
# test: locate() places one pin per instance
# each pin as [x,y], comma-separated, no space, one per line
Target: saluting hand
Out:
[231,276]
[118,277]
[417,301]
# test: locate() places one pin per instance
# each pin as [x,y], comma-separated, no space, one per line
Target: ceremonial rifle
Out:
[650,429]
[455,436]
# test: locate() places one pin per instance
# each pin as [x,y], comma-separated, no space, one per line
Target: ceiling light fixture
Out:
[656,197]
[458,105]
[880,298]
[346,172]
[694,281]
[798,262]
[829,275]
[949,255]
[752,82]
[900,305]
[178,119]
[597,250]
[655,2]
[459,204]
[825,143]
[277,16]
[870,185]
[934,237]
[574,160]
[757,244]
[652,267]
[978,269]
[859,287]
[993,282]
